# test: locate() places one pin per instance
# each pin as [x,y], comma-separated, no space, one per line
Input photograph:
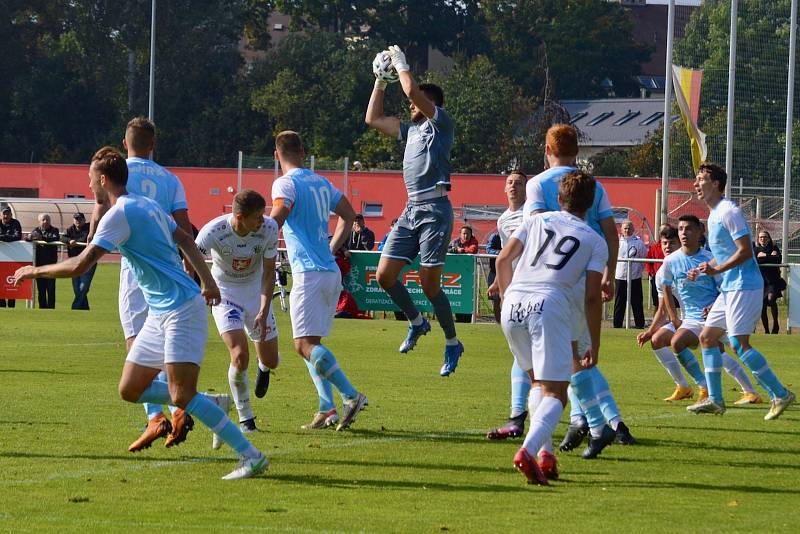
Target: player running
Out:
[175,332]
[738,306]
[243,246]
[557,251]
[302,202]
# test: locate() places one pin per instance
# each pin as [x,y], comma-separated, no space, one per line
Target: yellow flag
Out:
[687,94]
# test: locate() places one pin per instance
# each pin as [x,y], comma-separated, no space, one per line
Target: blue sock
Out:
[758,365]
[325,363]
[575,409]
[712,361]
[692,366]
[606,400]
[156,393]
[736,345]
[153,409]
[324,389]
[215,419]
[520,388]
[583,385]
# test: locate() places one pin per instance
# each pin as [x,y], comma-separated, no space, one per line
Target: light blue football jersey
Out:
[426,160]
[726,224]
[142,232]
[312,199]
[542,194]
[696,295]
[149,179]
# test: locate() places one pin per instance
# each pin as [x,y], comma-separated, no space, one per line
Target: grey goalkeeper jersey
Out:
[426,162]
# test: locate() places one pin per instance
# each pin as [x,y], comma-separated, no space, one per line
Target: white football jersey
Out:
[237,260]
[507,223]
[559,249]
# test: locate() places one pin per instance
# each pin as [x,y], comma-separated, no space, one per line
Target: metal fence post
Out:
[628,293]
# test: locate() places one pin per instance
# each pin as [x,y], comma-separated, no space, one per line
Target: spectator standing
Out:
[10,230]
[361,238]
[767,252]
[75,234]
[630,246]
[45,255]
[654,252]
[465,243]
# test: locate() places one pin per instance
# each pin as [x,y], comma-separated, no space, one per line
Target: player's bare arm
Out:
[409,84]
[655,325]
[70,268]
[594,316]
[192,253]
[346,215]
[375,115]
[669,307]
[267,289]
[505,264]
[101,205]
[744,252]
[280,211]
[181,217]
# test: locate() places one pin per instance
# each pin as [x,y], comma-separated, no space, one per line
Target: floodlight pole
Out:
[787,159]
[667,115]
[151,103]
[731,90]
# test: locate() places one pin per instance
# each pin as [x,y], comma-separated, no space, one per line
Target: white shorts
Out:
[312,302]
[132,306]
[736,311]
[177,336]
[537,328]
[238,310]
[693,325]
[580,328]
[669,326]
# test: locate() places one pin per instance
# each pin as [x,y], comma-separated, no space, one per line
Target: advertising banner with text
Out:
[457,282]
[14,255]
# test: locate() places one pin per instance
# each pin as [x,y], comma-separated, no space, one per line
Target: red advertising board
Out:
[7,289]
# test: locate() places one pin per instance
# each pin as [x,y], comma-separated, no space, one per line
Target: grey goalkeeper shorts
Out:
[423,228]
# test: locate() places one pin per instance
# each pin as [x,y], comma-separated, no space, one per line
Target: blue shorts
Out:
[422,228]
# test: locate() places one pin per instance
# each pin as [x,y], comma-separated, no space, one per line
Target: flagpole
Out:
[787,161]
[667,116]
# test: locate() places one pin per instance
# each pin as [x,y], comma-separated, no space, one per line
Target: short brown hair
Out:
[716,173]
[140,134]
[111,164]
[520,173]
[246,202]
[562,140]
[288,142]
[576,192]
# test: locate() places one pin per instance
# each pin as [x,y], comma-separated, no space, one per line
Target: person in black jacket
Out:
[766,253]
[10,230]
[45,255]
[361,238]
[74,235]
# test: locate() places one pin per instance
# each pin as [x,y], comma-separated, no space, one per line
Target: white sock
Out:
[614,422]
[534,398]
[417,321]
[453,341]
[596,432]
[263,367]
[738,373]
[670,362]
[543,423]
[240,389]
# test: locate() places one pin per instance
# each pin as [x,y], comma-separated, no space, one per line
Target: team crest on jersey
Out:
[241,264]
[257,250]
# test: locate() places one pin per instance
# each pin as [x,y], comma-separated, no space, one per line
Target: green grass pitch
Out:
[415,461]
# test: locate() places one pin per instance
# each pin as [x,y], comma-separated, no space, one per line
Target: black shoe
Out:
[248,425]
[574,436]
[624,436]
[596,445]
[262,382]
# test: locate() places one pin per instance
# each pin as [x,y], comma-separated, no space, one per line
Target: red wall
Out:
[385,187]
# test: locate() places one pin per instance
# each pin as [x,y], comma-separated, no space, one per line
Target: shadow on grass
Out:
[349,483]
[130,457]
[42,371]
[403,435]
[768,449]
[31,423]
[705,463]
[400,465]
[726,430]
[649,484]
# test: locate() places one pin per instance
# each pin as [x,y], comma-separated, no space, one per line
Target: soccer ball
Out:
[383,69]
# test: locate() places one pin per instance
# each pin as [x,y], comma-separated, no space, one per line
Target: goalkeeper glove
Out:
[398,59]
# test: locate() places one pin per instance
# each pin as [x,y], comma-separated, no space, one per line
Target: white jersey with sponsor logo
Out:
[559,249]
[237,260]
[507,223]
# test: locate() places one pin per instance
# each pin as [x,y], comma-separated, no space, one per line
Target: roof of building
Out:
[615,121]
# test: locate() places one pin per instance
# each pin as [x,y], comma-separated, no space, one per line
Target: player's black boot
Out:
[596,445]
[574,436]
[624,436]
[262,382]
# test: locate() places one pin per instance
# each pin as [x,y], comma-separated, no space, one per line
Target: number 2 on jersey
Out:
[558,249]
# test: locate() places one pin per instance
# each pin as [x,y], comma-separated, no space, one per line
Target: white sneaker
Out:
[224,401]
[248,467]
[707,406]
[350,411]
[779,405]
